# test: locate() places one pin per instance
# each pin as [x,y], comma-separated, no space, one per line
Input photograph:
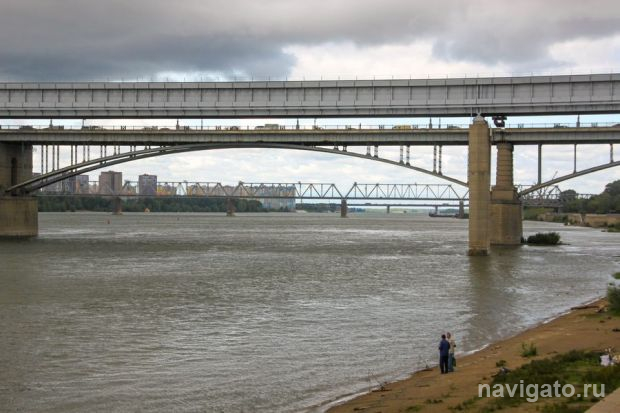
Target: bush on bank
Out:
[613,296]
[544,238]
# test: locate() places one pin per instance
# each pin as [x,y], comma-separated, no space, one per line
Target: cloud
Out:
[88,39]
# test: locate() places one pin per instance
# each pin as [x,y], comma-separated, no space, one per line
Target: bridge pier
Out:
[506,220]
[461,210]
[117,206]
[19,215]
[479,177]
[230,207]
[344,209]
[388,209]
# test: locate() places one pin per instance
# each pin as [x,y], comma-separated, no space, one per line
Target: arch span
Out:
[569,176]
[84,167]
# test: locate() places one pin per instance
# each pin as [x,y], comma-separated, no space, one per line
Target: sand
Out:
[429,391]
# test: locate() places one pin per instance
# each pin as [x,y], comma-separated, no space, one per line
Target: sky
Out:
[60,40]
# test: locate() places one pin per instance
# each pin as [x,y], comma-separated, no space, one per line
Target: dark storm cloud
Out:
[98,39]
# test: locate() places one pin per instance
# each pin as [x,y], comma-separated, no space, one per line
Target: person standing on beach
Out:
[444,354]
[452,343]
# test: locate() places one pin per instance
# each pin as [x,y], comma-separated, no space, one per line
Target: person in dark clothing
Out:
[444,354]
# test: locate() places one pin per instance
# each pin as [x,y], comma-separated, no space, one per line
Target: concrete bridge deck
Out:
[527,95]
[350,136]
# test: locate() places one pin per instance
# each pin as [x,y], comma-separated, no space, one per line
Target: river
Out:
[262,312]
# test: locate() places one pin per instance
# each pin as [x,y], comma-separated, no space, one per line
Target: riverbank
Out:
[429,391]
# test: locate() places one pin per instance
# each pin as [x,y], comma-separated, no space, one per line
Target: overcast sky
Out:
[224,39]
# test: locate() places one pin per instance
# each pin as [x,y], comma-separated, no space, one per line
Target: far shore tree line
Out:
[67,203]
[606,202]
[105,204]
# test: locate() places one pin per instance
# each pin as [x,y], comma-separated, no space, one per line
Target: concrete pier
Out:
[15,164]
[230,207]
[18,214]
[117,206]
[506,220]
[344,209]
[479,177]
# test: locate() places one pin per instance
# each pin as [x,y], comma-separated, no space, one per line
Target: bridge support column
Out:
[15,164]
[388,209]
[479,177]
[117,206]
[344,209]
[461,210]
[19,215]
[230,207]
[506,221]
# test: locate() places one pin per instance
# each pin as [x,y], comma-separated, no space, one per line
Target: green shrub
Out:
[528,350]
[613,296]
[546,238]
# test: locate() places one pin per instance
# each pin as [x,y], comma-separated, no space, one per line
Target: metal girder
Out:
[429,193]
[298,190]
[404,191]
[527,95]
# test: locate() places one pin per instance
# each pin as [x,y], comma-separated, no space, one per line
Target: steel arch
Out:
[77,169]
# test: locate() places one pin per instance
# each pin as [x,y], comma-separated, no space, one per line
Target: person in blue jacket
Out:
[444,354]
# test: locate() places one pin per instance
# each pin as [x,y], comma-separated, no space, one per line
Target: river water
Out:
[265,312]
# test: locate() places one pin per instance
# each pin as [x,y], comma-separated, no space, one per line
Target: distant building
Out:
[110,182]
[278,203]
[147,184]
[81,184]
[67,186]
[284,197]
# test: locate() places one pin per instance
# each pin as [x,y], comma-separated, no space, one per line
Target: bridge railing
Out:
[278,127]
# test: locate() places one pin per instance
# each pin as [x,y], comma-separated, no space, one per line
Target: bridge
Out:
[421,195]
[527,95]
[495,216]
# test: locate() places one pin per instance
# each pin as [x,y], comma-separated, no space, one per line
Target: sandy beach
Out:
[429,391]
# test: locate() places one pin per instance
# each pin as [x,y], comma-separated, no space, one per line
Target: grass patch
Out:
[528,350]
[466,405]
[544,238]
[576,368]
[563,407]
[616,276]
[414,408]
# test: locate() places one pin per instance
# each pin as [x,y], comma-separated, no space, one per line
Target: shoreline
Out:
[403,393]
[343,399]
